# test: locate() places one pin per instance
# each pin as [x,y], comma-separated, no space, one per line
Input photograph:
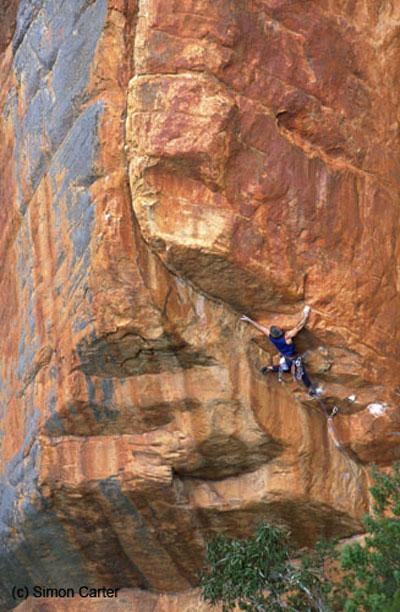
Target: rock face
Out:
[164,168]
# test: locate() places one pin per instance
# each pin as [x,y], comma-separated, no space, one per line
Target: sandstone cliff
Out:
[164,167]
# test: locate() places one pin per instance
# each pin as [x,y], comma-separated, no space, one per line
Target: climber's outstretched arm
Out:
[295,330]
[262,328]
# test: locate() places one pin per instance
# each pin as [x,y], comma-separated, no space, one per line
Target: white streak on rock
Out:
[377,409]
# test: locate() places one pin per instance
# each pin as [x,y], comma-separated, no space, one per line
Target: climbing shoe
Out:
[266,369]
[314,391]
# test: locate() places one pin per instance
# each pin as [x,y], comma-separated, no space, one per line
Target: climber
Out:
[290,359]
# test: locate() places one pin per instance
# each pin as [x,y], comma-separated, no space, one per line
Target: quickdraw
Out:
[331,427]
[297,369]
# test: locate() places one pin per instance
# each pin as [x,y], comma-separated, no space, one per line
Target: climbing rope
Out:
[334,433]
[331,427]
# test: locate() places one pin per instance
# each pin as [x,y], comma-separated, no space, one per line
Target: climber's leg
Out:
[284,366]
[298,371]
[305,378]
[301,374]
[266,369]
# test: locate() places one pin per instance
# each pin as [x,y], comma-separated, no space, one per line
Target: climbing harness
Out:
[296,367]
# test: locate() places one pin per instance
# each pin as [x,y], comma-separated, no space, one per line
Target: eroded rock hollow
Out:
[164,168]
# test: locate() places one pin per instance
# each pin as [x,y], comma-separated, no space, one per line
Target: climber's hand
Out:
[289,335]
[244,318]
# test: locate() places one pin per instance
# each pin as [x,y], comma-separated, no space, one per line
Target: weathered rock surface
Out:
[165,167]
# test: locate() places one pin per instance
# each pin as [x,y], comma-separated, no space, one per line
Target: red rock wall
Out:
[165,168]
[264,169]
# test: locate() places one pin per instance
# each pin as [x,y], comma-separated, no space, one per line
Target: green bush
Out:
[257,574]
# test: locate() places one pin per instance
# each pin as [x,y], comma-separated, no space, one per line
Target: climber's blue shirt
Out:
[288,350]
